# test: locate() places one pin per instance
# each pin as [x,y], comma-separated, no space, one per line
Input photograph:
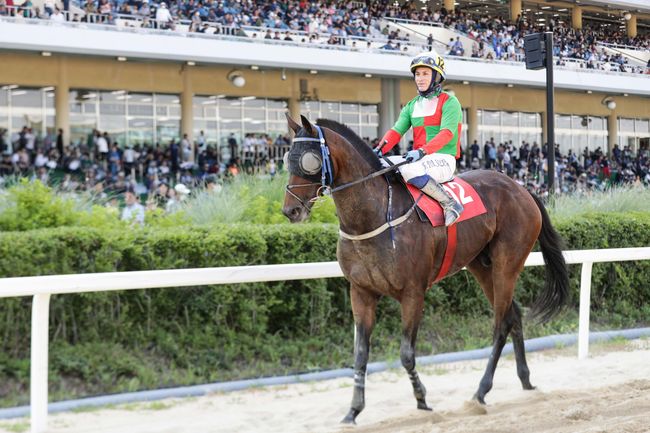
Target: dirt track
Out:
[610,392]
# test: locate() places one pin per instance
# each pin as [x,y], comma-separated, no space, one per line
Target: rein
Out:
[326,188]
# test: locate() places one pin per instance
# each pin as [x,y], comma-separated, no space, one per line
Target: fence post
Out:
[585,306]
[39,362]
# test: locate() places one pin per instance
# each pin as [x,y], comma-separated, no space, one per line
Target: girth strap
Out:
[450,253]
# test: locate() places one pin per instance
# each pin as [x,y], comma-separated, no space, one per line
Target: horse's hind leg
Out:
[363,308]
[499,289]
[412,310]
[517,334]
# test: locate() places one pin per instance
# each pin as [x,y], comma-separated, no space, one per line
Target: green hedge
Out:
[117,341]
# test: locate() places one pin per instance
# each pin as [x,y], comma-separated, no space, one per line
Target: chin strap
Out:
[432,89]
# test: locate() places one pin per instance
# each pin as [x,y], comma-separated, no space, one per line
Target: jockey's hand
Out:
[414,155]
[378,152]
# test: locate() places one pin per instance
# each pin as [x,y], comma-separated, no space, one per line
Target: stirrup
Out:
[452,213]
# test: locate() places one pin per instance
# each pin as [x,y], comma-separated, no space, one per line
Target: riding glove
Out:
[378,152]
[414,155]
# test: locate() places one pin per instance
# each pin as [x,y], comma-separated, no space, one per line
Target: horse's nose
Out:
[291,212]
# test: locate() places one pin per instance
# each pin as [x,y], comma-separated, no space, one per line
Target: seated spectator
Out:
[144,10]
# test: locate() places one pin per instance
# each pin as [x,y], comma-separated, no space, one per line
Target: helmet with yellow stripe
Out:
[431,60]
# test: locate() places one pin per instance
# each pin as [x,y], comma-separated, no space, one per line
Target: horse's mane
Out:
[357,142]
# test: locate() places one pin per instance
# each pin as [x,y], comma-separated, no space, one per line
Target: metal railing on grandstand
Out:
[139,24]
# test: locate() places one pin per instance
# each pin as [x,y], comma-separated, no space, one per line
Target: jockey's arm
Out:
[452,118]
[394,135]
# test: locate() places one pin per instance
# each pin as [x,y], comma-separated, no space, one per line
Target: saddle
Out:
[461,191]
[430,210]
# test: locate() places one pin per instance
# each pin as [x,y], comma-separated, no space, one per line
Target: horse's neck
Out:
[364,207]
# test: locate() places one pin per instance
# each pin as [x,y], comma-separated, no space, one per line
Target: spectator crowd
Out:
[355,24]
[102,166]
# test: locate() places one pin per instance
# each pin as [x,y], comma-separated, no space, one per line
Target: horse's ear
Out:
[307,125]
[292,123]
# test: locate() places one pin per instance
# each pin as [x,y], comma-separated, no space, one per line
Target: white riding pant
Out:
[441,167]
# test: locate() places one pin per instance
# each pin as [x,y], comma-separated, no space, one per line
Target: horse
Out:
[400,258]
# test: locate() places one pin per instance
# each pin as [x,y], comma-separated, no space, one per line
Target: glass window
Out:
[167,130]
[562,121]
[251,102]
[81,126]
[350,119]
[141,131]
[509,119]
[626,124]
[597,123]
[140,105]
[530,119]
[368,132]
[168,119]
[113,103]
[491,118]
[27,108]
[26,98]
[642,126]
[330,110]
[310,109]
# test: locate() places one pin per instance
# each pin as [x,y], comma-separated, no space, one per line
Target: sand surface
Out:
[609,392]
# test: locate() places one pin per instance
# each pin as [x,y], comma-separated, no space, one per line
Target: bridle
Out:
[328,172]
[327,178]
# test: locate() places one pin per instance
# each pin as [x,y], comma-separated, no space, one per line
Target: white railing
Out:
[41,288]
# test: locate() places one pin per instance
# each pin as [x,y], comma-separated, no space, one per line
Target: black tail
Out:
[556,287]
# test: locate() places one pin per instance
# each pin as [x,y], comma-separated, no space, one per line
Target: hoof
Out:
[350,417]
[423,406]
[529,387]
[479,398]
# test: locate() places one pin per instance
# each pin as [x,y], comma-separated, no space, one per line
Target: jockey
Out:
[436,118]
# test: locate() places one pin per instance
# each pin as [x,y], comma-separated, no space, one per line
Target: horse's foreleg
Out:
[412,309]
[517,334]
[363,308]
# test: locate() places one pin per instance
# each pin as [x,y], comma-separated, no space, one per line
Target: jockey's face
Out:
[423,77]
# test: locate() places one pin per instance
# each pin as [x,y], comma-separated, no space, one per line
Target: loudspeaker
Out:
[534,50]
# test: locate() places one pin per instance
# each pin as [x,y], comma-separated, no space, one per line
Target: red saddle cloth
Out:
[461,191]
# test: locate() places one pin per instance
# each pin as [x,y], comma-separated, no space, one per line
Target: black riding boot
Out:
[451,207]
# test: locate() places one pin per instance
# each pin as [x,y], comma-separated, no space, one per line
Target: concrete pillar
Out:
[576,17]
[187,110]
[449,5]
[631,27]
[389,107]
[61,102]
[612,132]
[515,9]
[472,125]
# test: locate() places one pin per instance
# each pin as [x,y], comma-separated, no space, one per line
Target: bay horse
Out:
[402,261]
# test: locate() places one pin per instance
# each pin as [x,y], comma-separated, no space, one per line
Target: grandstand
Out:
[148,73]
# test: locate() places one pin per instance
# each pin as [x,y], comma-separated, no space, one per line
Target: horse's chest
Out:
[377,269]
